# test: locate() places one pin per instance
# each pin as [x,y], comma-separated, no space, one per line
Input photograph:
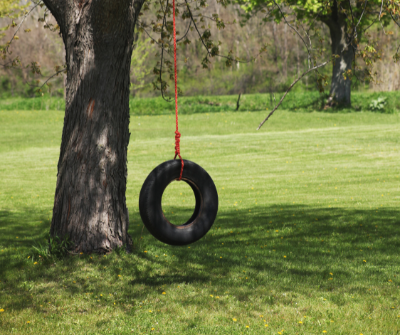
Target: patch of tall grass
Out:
[384,102]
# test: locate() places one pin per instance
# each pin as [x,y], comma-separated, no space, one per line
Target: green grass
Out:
[306,239]
[294,101]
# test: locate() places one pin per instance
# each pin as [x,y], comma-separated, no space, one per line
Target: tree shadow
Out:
[291,248]
[294,248]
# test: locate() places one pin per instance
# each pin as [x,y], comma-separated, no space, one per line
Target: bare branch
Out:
[51,77]
[351,11]
[294,29]
[201,38]
[380,12]
[162,52]
[362,13]
[151,37]
[187,31]
[287,91]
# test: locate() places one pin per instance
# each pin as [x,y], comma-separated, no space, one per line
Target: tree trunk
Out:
[90,205]
[340,87]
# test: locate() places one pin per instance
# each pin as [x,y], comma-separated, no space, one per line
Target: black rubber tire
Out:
[205,210]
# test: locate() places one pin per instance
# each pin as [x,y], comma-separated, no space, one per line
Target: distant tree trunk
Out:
[90,205]
[340,92]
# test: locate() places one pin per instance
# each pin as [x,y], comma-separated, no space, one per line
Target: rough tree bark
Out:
[90,205]
[340,92]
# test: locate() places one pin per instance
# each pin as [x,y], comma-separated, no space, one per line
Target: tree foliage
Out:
[11,8]
[302,15]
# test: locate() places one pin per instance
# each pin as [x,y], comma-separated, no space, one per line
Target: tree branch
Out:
[294,29]
[52,76]
[287,91]
[19,26]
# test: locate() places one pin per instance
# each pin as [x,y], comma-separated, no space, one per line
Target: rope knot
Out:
[177,144]
[178,151]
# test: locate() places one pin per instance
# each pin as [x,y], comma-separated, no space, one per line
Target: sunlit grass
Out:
[306,239]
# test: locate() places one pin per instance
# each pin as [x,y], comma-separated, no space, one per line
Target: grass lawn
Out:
[306,240]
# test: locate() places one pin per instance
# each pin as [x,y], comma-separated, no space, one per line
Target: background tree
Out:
[346,20]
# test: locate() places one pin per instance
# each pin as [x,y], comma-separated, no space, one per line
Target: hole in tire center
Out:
[178,202]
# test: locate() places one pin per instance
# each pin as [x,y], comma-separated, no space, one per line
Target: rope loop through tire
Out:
[205,210]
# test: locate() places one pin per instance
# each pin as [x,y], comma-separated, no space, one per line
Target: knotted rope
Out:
[177,133]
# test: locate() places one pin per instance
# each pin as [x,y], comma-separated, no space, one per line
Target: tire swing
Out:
[157,181]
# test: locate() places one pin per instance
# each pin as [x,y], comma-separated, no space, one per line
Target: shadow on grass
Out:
[319,237]
[288,248]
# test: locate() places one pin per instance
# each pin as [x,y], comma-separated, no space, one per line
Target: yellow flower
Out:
[28,322]
[211,295]
[152,328]
[1,310]
[234,320]
[300,322]
[324,331]
[35,263]
[266,325]
[163,293]
[284,256]
[247,326]
[150,311]
[364,261]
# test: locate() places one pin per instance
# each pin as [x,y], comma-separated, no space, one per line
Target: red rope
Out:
[177,133]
